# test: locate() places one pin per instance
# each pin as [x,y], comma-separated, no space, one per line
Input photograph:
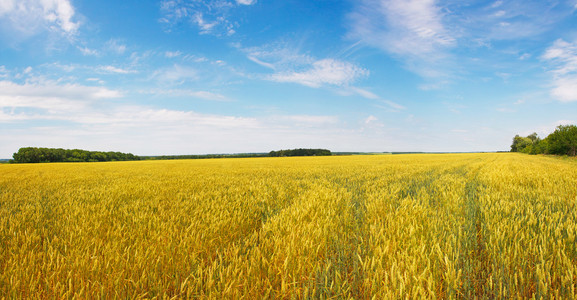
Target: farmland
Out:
[394,226]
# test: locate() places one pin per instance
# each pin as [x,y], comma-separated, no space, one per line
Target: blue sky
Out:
[229,76]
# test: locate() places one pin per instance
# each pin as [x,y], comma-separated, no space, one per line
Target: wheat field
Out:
[496,225]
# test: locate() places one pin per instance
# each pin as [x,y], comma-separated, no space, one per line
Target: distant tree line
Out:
[301,152]
[563,141]
[203,156]
[42,155]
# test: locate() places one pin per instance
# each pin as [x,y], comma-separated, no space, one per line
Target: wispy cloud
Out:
[290,66]
[510,20]
[562,57]
[175,75]
[379,102]
[413,31]
[323,72]
[413,27]
[364,93]
[425,34]
[113,69]
[278,56]
[211,17]
[204,25]
[172,54]
[88,51]
[262,63]
[116,46]
[370,119]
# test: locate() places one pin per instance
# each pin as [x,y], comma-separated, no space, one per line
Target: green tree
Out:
[563,140]
[520,143]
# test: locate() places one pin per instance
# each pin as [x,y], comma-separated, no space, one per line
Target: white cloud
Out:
[6,6]
[562,57]
[565,89]
[246,2]
[83,105]
[61,13]
[322,72]
[30,17]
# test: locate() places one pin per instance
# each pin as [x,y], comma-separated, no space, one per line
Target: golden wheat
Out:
[364,227]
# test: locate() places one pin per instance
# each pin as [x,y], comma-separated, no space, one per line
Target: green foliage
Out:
[300,152]
[563,141]
[521,143]
[43,155]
